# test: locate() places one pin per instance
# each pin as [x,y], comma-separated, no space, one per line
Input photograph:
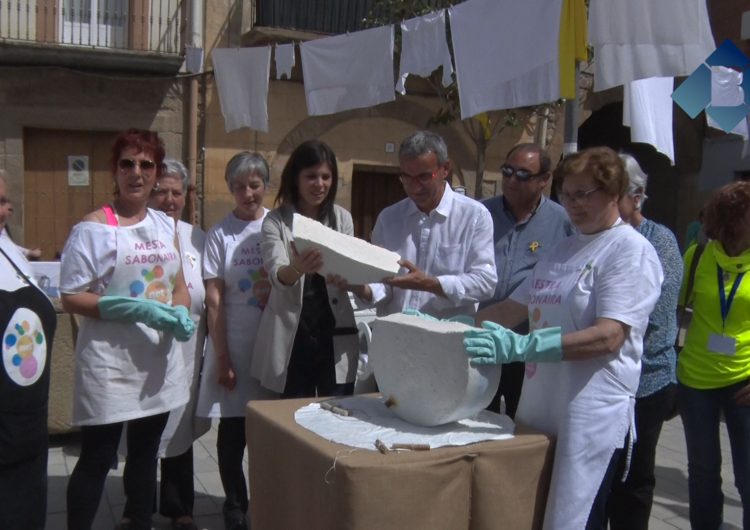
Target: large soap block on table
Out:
[422,367]
[353,259]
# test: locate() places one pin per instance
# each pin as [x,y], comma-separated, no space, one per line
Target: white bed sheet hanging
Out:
[284,56]
[424,48]
[242,79]
[506,53]
[647,110]
[348,71]
[638,39]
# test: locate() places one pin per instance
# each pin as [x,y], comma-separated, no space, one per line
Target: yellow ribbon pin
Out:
[534,246]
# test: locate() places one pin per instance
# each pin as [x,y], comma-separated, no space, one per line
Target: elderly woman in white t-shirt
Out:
[588,301]
[177,492]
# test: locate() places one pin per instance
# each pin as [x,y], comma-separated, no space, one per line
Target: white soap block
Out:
[354,259]
[423,371]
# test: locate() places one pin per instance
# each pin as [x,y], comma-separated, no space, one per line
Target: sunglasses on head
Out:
[126,164]
[521,174]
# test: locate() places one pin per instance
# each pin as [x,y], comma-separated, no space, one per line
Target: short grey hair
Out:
[175,169]
[637,178]
[246,163]
[422,142]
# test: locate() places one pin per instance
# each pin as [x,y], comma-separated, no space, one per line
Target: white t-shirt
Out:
[232,254]
[453,243]
[619,277]
[90,253]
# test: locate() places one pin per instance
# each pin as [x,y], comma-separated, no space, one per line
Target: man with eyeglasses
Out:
[526,224]
[444,239]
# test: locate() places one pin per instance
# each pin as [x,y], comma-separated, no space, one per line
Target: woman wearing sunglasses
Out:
[121,272]
[588,302]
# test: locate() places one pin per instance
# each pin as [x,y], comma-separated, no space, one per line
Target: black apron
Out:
[23,405]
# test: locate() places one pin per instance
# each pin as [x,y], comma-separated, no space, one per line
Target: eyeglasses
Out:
[128,164]
[578,196]
[422,178]
[521,174]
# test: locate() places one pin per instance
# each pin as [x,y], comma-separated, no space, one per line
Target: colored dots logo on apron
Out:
[153,286]
[258,285]
[24,348]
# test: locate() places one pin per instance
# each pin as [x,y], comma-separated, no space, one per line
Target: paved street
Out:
[669,512]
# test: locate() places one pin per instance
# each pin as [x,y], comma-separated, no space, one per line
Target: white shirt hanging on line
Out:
[284,56]
[647,110]
[242,79]
[726,91]
[639,39]
[348,71]
[498,65]
[424,48]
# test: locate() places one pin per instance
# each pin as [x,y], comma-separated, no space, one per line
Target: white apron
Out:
[128,371]
[246,290]
[579,402]
[183,427]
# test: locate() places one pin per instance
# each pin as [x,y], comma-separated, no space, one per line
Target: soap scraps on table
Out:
[370,419]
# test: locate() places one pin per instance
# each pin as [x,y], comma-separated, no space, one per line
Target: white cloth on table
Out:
[453,243]
[518,66]
[424,48]
[371,420]
[638,39]
[124,371]
[348,71]
[242,79]
[284,57]
[232,254]
[647,110]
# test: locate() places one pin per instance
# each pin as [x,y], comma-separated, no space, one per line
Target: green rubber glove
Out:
[495,344]
[463,319]
[156,315]
[417,313]
[184,327]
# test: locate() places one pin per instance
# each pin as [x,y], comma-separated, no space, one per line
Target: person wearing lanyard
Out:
[713,368]
[237,290]
[588,301]
[27,320]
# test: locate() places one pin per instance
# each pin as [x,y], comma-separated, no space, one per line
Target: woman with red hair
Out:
[713,368]
[121,272]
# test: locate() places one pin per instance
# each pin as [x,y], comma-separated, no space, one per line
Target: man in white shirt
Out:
[444,239]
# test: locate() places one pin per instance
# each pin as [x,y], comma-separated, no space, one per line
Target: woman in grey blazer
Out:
[307,343]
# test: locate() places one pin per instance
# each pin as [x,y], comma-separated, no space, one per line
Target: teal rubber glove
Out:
[184,328]
[463,319]
[495,344]
[157,315]
[417,313]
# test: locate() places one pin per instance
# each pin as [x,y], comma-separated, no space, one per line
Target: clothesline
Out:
[506,54]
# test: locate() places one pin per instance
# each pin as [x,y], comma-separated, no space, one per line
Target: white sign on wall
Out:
[78,170]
